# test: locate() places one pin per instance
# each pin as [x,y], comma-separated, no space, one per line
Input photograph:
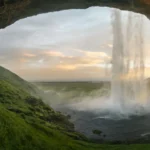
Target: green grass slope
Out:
[26,123]
[17,81]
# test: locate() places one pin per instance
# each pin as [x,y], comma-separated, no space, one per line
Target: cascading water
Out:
[129,93]
[117,60]
[128,67]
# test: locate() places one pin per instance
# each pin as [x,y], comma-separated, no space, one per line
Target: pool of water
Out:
[113,128]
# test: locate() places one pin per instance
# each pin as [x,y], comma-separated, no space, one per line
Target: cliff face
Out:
[146,2]
[13,10]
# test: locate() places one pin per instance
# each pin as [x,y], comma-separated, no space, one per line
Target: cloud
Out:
[65,44]
[53,53]
[96,54]
[55,61]
[29,55]
[58,28]
[66,67]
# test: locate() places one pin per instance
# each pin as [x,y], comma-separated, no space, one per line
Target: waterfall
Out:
[128,65]
[117,60]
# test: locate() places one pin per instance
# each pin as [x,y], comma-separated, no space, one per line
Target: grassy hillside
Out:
[26,123]
[17,81]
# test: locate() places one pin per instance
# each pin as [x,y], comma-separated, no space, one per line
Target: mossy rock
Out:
[97,132]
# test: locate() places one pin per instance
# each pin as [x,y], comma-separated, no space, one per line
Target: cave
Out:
[13,10]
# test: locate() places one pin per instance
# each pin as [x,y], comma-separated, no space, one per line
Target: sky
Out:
[60,46]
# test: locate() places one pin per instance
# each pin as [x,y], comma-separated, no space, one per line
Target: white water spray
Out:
[128,71]
[129,94]
[117,60]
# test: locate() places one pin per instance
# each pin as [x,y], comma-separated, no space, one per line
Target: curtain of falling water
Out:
[128,66]
[117,60]
[127,57]
[140,89]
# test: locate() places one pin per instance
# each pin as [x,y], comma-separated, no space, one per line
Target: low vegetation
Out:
[97,132]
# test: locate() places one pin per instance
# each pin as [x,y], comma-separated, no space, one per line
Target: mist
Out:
[126,94]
